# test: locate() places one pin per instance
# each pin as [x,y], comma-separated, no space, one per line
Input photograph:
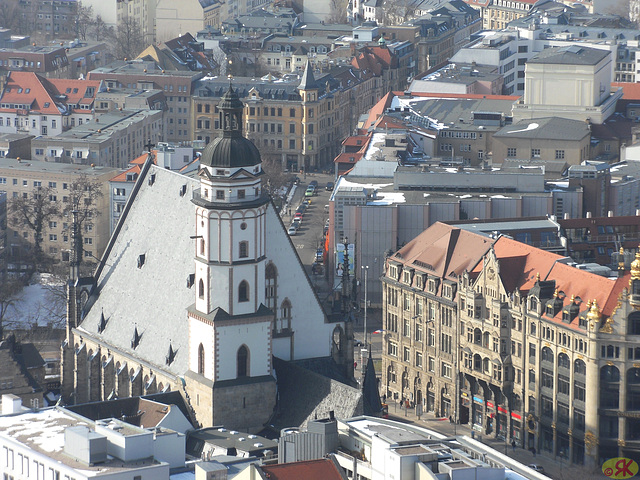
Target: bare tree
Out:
[338,11]
[34,212]
[10,15]
[397,12]
[82,199]
[100,31]
[10,294]
[81,21]
[129,38]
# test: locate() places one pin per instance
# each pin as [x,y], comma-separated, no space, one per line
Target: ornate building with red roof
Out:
[516,342]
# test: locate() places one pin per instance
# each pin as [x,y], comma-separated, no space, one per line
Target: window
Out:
[559,154]
[419,359]
[406,328]
[243,362]
[432,364]
[201,289]
[535,153]
[446,370]
[392,349]
[511,152]
[243,291]
[201,359]
[244,248]
[219,194]
[406,354]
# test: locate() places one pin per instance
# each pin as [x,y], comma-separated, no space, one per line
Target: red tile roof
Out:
[48,96]
[378,109]
[346,157]
[323,469]
[630,91]
[135,167]
[444,251]
[353,141]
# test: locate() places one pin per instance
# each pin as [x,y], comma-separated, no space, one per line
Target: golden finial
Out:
[555,293]
[621,259]
[594,312]
[635,266]
[573,299]
[538,277]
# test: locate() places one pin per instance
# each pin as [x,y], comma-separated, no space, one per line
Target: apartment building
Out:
[30,103]
[23,178]
[509,339]
[147,75]
[111,140]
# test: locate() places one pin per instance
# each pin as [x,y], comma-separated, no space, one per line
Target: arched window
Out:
[244,249]
[271,274]
[533,328]
[563,361]
[285,313]
[243,361]
[477,362]
[547,355]
[243,291]
[201,289]
[579,367]
[485,365]
[477,336]
[200,359]
[609,387]
[485,339]
[633,389]
[202,246]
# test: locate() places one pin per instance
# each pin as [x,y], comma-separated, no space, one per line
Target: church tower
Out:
[230,328]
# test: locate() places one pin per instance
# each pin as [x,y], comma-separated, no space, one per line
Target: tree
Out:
[83,197]
[10,15]
[34,212]
[100,31]
[338,11]
[10,294]
[82,21]
[129,39]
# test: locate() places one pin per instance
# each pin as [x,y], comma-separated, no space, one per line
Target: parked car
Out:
[298,215]
[329,186]
[307,202]
[319,256]
[313,183]
[536,467]
[296,222]
[292,230]
[309,192]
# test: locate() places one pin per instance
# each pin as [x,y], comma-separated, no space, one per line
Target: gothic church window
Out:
[271,273]
[201,289]
[243,361]
[202,246]
[285,313]
[243,291]
[200,359]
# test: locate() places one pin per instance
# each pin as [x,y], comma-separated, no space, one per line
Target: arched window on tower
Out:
[201,359]
[243,361]
[244,250]
[201,289]
[202,246]
[243,291]
[271,274]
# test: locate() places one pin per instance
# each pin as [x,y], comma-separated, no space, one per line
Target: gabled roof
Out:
[444,251]
[630,91]
[378,109]
[48,96]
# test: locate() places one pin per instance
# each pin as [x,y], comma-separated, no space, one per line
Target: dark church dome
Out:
[231,150]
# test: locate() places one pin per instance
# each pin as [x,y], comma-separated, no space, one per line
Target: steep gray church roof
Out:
[147,270]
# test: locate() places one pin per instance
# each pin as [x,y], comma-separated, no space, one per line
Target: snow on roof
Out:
[531,126]
[343,182]
[388,198]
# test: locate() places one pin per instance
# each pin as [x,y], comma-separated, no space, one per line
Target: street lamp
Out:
[365,268]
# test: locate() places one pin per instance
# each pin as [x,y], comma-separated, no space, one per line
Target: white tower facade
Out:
[230,328]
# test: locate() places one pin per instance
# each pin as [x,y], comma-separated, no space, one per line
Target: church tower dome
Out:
[231,150]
